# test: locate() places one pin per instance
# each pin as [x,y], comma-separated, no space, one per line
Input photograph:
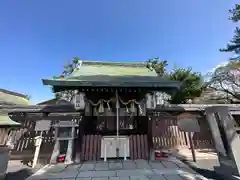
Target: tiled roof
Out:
[9,97]
[95,73]
[95,68]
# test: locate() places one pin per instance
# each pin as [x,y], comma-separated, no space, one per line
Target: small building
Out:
[115,106]
[6,123]
[12,98]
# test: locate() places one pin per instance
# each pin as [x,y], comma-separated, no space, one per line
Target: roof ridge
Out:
[13,93]
[112,63]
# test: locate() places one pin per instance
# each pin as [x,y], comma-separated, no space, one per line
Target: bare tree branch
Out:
[226,79]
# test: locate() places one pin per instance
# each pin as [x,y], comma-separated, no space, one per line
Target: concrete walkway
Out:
[170,169]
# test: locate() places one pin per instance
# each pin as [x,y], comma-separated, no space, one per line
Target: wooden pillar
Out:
[149,118]
[190,136]
[148,105]
[78,145]
[85,115]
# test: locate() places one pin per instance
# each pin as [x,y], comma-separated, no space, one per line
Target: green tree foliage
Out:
[191,81]
[234,45]
[68,69]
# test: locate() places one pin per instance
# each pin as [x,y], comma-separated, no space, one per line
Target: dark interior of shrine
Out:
[106,122]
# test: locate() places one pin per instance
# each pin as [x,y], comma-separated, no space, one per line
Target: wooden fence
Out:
[167,135]
[138,145]
[91,147]
[25,135]
[3,135]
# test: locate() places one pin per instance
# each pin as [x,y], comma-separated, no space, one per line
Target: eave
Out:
[233,108]
[39,108]
[152,84]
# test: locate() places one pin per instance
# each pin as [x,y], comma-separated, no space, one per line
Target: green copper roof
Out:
[111,74]
[5,120]
[91,68]
[9,97]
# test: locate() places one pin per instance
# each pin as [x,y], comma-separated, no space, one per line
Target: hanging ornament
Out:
[101,108]
[132,107]
[109,109]
[127,110]
[95,111]
[140,109]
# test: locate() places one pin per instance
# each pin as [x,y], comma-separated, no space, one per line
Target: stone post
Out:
[213,124]
[56,149]
[69,153]
[232,137]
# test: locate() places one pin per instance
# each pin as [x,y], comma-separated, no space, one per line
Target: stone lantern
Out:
[65,134]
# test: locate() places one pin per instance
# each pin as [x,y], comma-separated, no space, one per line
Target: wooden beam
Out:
[39,108]
[70,108]
[193,107]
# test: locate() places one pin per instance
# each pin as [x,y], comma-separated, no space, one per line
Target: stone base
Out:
[69,162]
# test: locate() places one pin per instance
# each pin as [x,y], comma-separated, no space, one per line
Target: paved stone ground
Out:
[170,169]
[17,170]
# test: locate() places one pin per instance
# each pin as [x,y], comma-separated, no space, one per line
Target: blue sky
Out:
[38,37]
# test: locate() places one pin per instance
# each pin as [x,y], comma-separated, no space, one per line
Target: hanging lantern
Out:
[101,108]
[79,101]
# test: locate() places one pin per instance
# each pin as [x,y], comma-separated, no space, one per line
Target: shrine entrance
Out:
[115,128]
[115,122]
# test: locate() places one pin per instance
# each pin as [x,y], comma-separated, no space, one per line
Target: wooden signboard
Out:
[43,125]
[189,125]
[79,101]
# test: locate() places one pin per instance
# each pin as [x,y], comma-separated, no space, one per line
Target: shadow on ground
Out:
[19,175]
[205,167]
[210,174]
